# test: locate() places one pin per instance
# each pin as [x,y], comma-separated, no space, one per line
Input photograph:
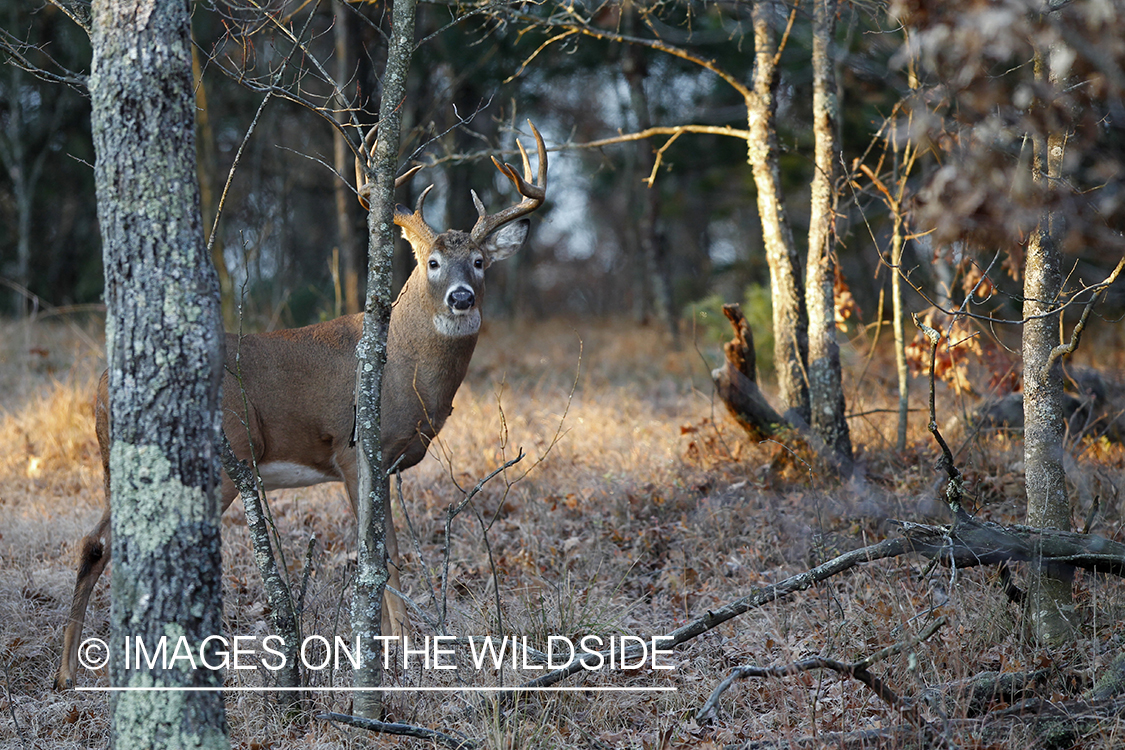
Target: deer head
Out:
[453,262]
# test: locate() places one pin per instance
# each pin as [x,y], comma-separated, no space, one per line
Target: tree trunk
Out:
[790,321]
[1044,428]
[283,612]
[826,391]
[900,336]
[654,256]
[1049,598]
[164,347]
[349,250]
[209,203]
[736,382]
[374,489]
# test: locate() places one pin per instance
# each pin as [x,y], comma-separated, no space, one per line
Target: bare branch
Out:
[403,730]
[857,670]
[757,598]
[656,44]
[1063,350]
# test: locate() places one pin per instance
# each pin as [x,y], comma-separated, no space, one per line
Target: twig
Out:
[1076,335]
[403,730]
[440,626]
[857,670]
[452,513]
[305,575]
[12,705]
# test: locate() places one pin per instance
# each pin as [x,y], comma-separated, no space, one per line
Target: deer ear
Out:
[506,240]
[414,230]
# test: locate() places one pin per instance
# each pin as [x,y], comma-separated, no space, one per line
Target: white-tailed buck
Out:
[300,383]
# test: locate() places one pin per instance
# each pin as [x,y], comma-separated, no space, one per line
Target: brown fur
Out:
[300,392]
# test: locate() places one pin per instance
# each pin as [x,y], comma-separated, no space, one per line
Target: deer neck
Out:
[430,348]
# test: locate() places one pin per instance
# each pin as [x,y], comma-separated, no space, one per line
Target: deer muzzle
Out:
[460,299]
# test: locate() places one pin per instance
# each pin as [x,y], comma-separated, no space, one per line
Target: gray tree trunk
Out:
[657,264]
[165,364]
[790,321]
[23,170]
[374,489]
[1049,600]
[826,391]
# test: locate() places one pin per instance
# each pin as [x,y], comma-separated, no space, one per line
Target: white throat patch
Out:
[456,326]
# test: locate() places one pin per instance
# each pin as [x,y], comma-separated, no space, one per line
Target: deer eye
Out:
[478,263]
[433,263]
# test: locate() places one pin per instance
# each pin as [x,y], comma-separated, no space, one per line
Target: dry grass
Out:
[638,511]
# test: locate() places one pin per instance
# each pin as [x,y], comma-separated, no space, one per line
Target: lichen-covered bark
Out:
[164,348]
[374,489]
[826,391]
[790,321]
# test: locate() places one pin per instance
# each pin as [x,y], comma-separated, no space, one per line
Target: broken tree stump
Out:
[736,381]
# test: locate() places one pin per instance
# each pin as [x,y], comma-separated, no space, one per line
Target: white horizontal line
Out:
[387,689]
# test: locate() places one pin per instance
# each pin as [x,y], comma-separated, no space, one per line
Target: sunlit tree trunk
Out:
[1049,600]
[826,392]
[790,321]
[900,335]
[164,346]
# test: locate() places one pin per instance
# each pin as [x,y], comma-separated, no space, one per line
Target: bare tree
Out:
[790,319]
[1049,590]
[374,499]
[826,393]
[165,365]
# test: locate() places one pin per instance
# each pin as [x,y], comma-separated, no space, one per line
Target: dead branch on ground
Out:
[403,730]
[858,670]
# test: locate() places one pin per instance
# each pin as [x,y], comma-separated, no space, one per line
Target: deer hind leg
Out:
[92,561]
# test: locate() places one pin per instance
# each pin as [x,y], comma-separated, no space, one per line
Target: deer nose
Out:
[461,298]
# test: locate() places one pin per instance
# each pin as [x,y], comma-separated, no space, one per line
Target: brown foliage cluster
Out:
[981,105]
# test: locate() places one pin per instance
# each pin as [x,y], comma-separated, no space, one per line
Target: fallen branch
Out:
[403,730]
[714,618]
[1036,723]
[970,542]
[858,670]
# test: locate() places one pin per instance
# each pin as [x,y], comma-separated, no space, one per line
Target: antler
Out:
[533,194]
[367,153]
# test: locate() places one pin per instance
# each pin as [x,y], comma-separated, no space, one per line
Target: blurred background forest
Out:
[919,93]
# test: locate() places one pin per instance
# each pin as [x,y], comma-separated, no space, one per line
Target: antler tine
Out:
[405,176]
[422,197]
[361,182]
[533,194]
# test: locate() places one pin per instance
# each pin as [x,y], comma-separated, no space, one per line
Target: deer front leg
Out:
[395,619]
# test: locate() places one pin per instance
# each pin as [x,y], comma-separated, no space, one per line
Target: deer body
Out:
[299,384]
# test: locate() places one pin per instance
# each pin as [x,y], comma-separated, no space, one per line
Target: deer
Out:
[299,384]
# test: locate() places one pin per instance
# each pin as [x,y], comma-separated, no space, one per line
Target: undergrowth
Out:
[638,508]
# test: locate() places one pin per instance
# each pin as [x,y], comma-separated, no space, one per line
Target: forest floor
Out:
[638,508]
